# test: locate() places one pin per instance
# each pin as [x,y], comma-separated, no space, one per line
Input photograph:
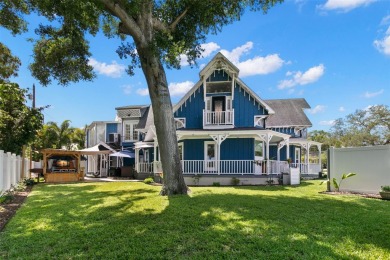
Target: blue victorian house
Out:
[224,130]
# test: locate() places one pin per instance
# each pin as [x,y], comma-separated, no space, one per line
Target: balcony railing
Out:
[221,118]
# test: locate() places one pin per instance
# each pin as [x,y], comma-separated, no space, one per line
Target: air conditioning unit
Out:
[114,138]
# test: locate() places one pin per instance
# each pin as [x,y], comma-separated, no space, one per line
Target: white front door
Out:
[103,165]
[210,152]
[259,156]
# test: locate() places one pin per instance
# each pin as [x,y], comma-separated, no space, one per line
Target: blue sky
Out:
[333,53]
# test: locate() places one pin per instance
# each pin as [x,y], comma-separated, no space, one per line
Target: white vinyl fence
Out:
[371,165]
[11,171]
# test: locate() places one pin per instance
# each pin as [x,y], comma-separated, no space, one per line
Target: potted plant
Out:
[385,193]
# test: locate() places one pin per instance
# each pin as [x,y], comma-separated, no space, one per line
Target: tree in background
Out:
[61,136]
[11,12]
[153,33]
[78,138]
[365,127]
[19,123]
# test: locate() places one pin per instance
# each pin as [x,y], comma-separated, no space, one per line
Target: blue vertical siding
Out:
[237,149]
[245,109]
[219,75]
[110,129]
[194,149]
[273,152]
[192,110]
[231,149]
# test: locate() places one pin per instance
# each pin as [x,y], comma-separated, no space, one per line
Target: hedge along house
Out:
[225,130]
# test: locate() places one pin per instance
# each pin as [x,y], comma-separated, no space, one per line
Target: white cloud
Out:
[127,89]
[254,66]
[208,49]
[328,123]
[373,94]
[383,45]
[235,55]
[113,70]
[143,91]
[317,109]
[175,88]
[385,20]
[341,109]
[180,88]
[299,78]
[345,5]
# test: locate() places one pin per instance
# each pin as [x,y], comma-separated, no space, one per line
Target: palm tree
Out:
[63,134]
[78,137]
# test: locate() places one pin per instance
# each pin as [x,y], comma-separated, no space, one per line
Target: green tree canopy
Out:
[57,136]
[153,33]
[18,123]
[364,127]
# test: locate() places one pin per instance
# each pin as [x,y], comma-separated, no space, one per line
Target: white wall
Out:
[371,164]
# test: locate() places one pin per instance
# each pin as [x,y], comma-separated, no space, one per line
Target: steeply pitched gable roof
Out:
[221,62]
[146,120]
[288,112]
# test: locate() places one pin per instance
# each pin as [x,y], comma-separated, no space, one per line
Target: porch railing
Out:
[307,168]
[218,118]
[145,167]
[152,167]
[233,167]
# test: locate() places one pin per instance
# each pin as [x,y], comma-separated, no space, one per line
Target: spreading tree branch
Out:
[128,25]
[173,25]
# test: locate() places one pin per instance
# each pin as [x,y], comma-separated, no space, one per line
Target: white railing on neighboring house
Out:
[157,167]
[11,171]
[307,168]
[145,167]
[218,118]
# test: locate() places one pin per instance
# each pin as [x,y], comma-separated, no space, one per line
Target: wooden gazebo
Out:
[62,165]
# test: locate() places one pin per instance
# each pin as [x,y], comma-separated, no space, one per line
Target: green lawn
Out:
[131,221]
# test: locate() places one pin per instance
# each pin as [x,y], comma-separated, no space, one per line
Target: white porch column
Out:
[219,139]
[155,152]
[137,159]
[288,149]
[319,156]
[308,157]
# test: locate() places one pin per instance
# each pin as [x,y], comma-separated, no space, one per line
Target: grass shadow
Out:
[102,220]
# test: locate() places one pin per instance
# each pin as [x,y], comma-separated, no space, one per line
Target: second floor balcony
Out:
[218,119]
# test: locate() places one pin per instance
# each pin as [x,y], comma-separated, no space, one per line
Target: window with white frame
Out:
[129,132]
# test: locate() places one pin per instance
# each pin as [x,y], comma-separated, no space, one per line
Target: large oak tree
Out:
[154,34]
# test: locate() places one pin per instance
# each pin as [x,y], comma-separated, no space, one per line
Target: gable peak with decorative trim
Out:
[219,62]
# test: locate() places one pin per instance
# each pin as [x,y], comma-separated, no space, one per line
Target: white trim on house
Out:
[208,70]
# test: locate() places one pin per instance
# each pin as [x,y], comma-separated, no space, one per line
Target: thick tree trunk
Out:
[173,180]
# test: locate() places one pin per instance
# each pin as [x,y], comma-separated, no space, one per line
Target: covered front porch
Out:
[269,152]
